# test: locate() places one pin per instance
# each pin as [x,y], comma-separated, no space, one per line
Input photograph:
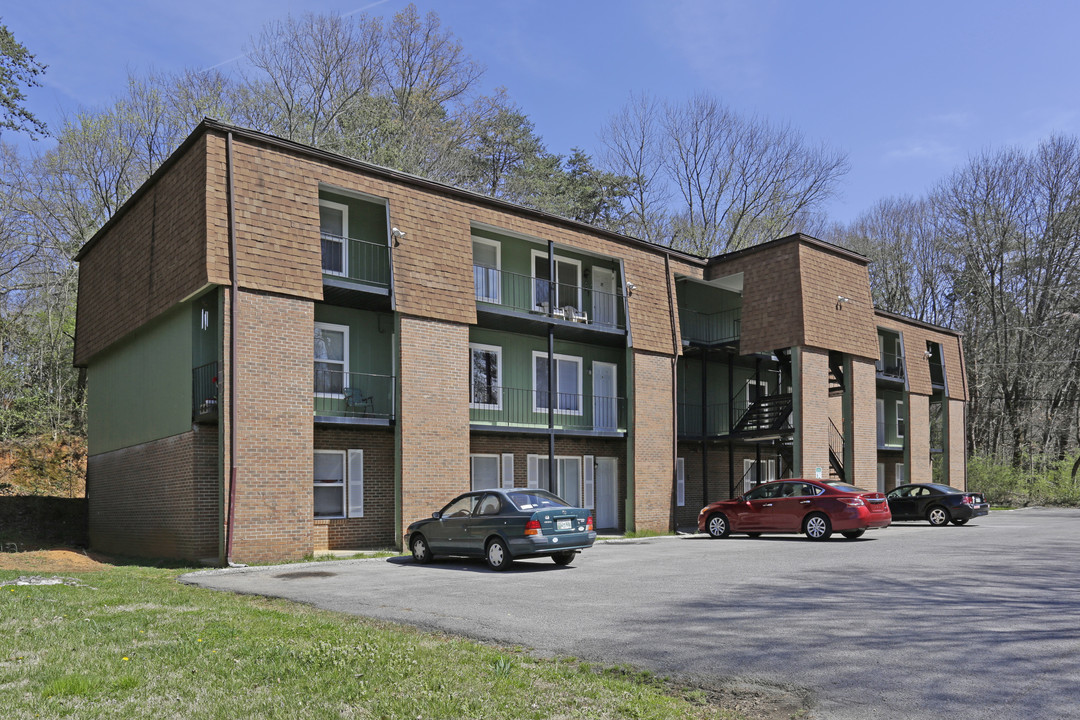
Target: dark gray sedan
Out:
[501,526]
[937,504]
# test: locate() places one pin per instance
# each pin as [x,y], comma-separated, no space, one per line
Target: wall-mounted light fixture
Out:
[398,235]
[630,288]
[928,354]
[840,300]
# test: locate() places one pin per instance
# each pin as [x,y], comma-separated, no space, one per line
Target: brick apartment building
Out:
[289,351]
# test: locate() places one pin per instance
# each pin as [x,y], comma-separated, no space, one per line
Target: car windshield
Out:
[536,500]
[844,487]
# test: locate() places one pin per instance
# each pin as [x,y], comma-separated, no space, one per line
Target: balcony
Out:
[718,328]
[354,398]
[937,375]
[581,313]
[526,410]
[354,266]
[890,368]
[205,394]
[717,419]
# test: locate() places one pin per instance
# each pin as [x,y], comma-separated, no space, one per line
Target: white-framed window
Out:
[334,229]
[568,477]
[880,422]
[484,471]
[755,473]
[755,390]
[485,376]
[901,421]
[899,476]
[567,283]
[338,490]
[331,360]
[487,266]
[680,481]
[567,384]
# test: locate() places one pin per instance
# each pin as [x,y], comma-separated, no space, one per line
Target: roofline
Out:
[209,124]
[916,322]
[794,237]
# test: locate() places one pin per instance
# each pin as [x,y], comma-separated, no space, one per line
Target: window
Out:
[338,483]
[486,265]
[567,384]
[331,360]
[680,481]
[567,282]
[899,474]
[901,421]
[567,477]
[485,370]
[334,229]
[753,474]
[484,471]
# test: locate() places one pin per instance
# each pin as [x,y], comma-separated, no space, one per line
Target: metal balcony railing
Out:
[536,296]
[360,260]
[526,408]
[205,394]
[354,395]
[710,328]
[937,374]
[717,419]
[891,365]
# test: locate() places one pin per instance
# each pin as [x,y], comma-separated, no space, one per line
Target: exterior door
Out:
[605,401]
[605,309]
[607,492]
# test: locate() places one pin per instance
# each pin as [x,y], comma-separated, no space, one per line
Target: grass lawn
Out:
[132,642]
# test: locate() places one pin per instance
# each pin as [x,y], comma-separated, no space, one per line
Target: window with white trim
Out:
[334,230]
[567,384]
[898,477]
[484,471]
[338,490]
[680,481]
[901,421]
[487,265]
[485,372]
[755,473]
[331,359]
[568,477]
[567,282]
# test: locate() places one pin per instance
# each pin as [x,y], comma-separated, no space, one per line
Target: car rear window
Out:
[943,488]
[536,500]
[844,487]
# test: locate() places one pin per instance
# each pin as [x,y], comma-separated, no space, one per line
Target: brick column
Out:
[433,418]
[918,438]
[864,424]
[274,516]
[652,444]
[810,397]
[955,444]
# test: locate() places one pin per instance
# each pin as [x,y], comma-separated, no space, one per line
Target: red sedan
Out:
[811,507]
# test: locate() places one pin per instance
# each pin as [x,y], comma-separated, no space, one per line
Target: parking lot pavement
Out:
[980,621]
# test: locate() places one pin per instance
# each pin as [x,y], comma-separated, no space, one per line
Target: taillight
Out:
[588,524]
[533,528]
[969,500]
[853,502]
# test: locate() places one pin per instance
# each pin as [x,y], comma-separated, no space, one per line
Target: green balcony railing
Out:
[536,296]
[354,395]
[205,395]
[710,328]
[359,260]
[526,408]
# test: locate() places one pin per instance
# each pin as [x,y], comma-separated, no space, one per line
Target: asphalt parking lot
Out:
[980,621]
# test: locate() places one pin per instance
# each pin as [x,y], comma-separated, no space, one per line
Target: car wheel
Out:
[817,527]
[421,553]
[564,558]
[959,521]
[718,526]
[937,516]
[853,534]
[753,535]
[498,556]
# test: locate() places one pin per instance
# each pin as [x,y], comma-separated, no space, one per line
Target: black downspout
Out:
[704,430]
[234,296]
[553,290]
[731,425]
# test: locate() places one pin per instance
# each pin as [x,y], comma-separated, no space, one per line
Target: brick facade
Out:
[653,443]
[864,426]
[918,438]
[376,528]
[158,499]
[811,402]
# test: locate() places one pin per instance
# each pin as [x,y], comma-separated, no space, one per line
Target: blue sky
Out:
[909,90]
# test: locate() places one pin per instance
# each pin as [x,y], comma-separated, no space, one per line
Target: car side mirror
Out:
[436,514]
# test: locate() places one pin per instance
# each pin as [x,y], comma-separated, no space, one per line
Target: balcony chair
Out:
[356,401]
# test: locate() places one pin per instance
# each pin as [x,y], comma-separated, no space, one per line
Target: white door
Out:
[605,397]
[607,492]
[604,307]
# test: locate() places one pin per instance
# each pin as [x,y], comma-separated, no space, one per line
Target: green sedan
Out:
[501,526]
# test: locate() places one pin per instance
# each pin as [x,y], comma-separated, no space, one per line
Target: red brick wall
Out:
[158,499]
[719,477]
[956,450]
[918,438]
[434,418]
[376,528]
[812,406]
[274,513]
[864,402]
[653,443]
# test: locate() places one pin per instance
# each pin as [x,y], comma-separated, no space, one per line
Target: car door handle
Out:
[767,505]
[804,502]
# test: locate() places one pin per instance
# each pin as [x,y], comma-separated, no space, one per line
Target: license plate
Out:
[566,524]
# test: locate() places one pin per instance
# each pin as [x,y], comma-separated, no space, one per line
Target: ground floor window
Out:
[680,482]
[338,483]
[568,477]
[755,473]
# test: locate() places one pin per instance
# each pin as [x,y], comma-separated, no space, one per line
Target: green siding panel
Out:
[140,389]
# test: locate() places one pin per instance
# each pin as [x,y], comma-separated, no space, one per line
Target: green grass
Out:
[132,642]
[645,534]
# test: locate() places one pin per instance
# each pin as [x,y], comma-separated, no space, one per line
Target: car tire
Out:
[498,555]
[853,534]
[959,521]
[817,527]
[753,535]
[718,525]
[564,558]
[937,516]
[421,553]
